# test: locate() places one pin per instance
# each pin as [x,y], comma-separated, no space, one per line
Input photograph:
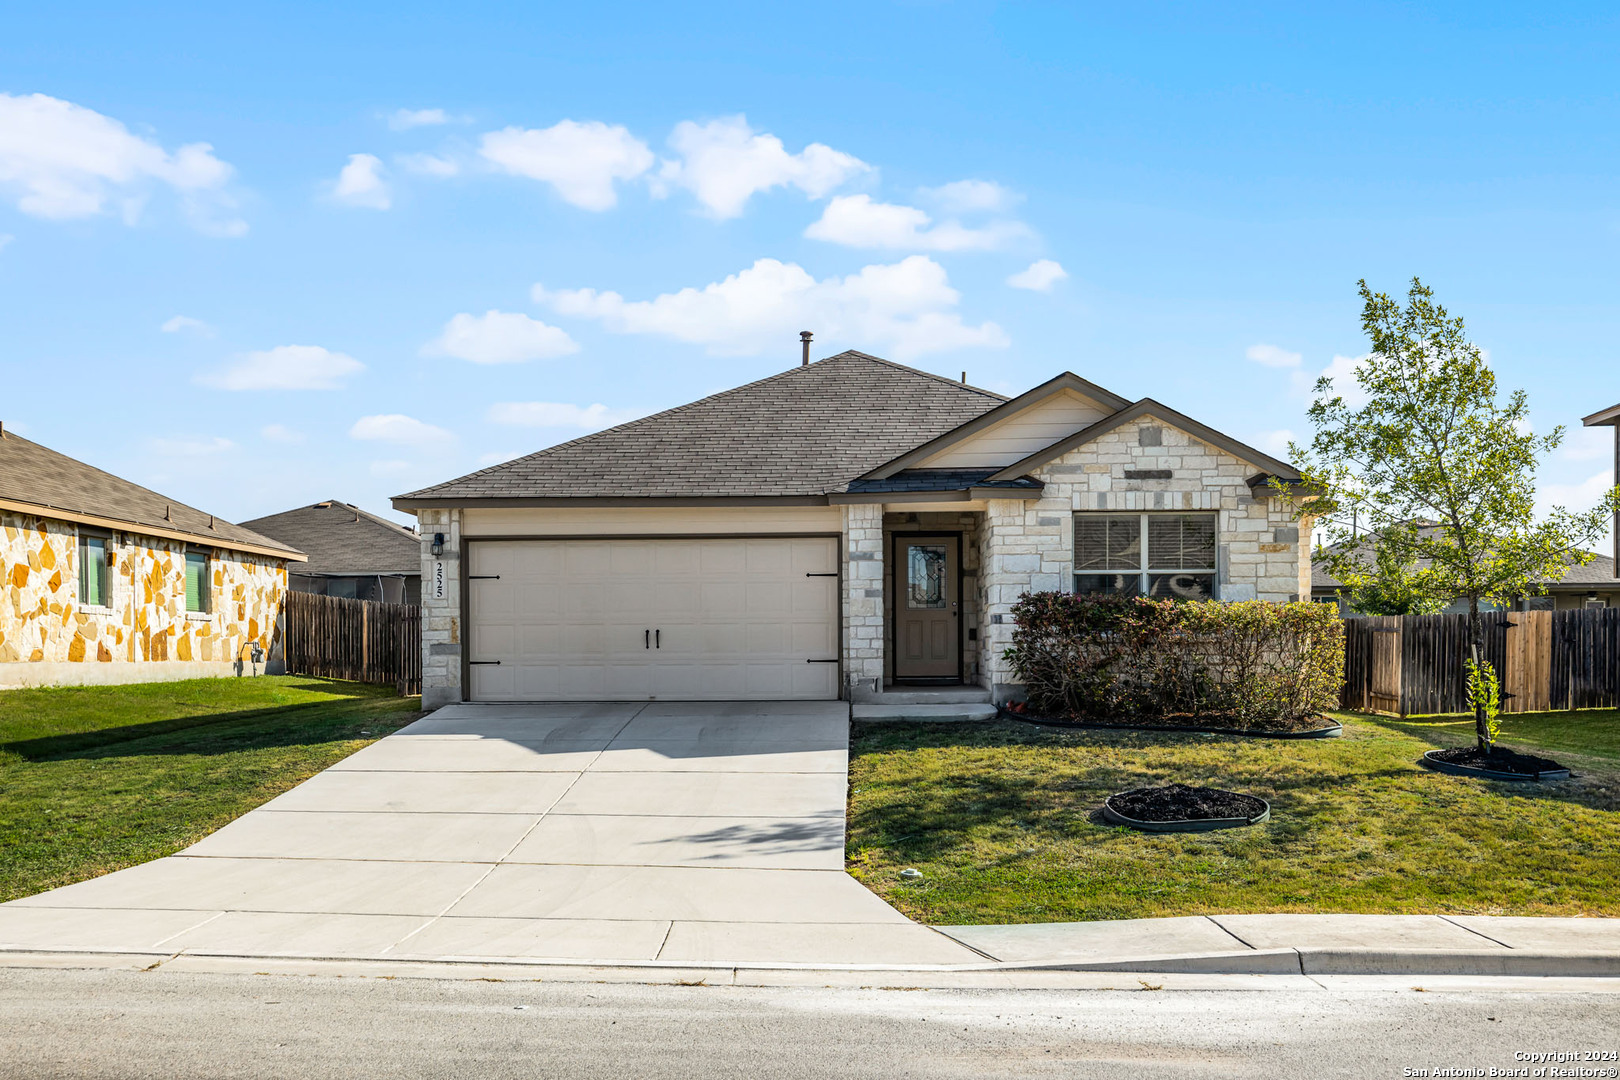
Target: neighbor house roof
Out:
[1599,571]
[37,480]
[342,539]
[800,435]
[1603,417]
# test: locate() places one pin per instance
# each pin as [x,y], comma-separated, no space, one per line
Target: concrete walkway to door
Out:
[672,831]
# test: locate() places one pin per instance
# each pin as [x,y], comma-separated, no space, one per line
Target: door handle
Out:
[647,641]
[658,639]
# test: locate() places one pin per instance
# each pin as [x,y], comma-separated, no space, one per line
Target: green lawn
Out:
[93,779]
[1001,820]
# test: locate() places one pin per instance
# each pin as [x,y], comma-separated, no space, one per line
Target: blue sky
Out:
[654,200]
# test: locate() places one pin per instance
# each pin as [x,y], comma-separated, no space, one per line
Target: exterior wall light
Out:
[438,544]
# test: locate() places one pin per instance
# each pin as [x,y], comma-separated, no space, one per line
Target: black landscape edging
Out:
[1189,825]
[1453,769]
[1333,732]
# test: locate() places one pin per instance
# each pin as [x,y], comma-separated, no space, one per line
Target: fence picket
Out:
[355,640]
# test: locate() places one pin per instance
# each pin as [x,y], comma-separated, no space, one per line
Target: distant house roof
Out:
[342,539]
[37,480]
[1599,571]
[802,434]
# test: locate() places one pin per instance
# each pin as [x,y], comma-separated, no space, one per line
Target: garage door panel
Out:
[737,618]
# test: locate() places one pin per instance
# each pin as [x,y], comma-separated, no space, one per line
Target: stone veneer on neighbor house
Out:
[144,633]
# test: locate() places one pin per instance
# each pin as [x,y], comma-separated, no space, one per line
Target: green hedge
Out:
[1247,664]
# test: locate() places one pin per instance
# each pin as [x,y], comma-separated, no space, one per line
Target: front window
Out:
[196,581]
[94,581]
[1166,556]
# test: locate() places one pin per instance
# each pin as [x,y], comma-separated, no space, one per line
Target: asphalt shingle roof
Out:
[943,480]
[37,475]
[343,539]
[1599,571]
[808,431]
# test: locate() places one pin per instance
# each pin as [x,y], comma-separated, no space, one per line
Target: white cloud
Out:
[1343,373]
[66,161]
[191,446]
[280,433]
[428,164]
[1276,442]
[1272,356]
[1588,444]
[555,414]
[286,367]
[361,183]
[967,196]
[857,221]
[724,163]
[581,161]
[500,337]
[906,307]
[186,322]
[1039,276]
[396,428]
[405,119]
[1582,495]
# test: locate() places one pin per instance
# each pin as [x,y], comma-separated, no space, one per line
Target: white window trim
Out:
[1142,571]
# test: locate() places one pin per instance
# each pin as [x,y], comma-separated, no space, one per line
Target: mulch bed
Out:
[1500,759]
[1179,802]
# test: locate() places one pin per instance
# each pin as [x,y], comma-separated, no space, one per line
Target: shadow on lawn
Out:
[227,732]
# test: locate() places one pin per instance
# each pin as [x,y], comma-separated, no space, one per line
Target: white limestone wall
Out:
[441,616]
[1263,553]
[863,598]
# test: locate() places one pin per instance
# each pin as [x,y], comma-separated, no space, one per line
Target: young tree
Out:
[1440,467]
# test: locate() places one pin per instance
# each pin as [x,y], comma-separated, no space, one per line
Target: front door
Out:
[927,614]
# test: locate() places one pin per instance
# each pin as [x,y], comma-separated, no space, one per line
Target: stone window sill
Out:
[199,616]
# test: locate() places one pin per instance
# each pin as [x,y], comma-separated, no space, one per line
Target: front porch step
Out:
[945,695]
[938,712]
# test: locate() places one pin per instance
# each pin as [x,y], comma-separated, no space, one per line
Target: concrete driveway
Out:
[672,831]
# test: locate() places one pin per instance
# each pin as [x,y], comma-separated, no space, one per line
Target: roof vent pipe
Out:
[964,378]
[804,339]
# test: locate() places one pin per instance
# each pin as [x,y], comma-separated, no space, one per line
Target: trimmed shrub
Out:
[1249,664]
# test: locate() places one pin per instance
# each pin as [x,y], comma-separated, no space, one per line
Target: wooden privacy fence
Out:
[357,640]
[1415,664]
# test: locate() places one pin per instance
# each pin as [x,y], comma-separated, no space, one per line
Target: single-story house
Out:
[351,553]
[835,530]
[105,581]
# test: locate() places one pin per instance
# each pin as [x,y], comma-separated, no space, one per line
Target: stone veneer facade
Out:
[144,633]
[441,615]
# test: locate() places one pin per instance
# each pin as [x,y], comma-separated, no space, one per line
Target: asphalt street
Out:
[109,1023]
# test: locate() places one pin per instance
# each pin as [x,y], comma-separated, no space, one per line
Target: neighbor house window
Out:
[1167,556]
[196,581]
[95,584]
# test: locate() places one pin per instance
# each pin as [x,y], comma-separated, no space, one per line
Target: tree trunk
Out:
[1476,645]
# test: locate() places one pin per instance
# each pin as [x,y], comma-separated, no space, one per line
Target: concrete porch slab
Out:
[1033,942]
[624,840]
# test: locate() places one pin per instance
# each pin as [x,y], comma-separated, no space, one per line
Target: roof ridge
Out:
[796,370]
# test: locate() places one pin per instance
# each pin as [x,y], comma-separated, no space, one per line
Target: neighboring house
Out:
[351,553]
[104,581]
[1610,417]
[829,531]
[1591,585]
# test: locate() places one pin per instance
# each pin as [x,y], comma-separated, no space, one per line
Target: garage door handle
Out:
[483,577]
[647,644]
[833,661]
[658,639]
[474,662]
[833,574]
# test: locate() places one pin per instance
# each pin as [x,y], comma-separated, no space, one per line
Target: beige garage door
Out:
[636,620]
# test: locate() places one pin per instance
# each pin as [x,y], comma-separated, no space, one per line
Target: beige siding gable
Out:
[1022,434]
